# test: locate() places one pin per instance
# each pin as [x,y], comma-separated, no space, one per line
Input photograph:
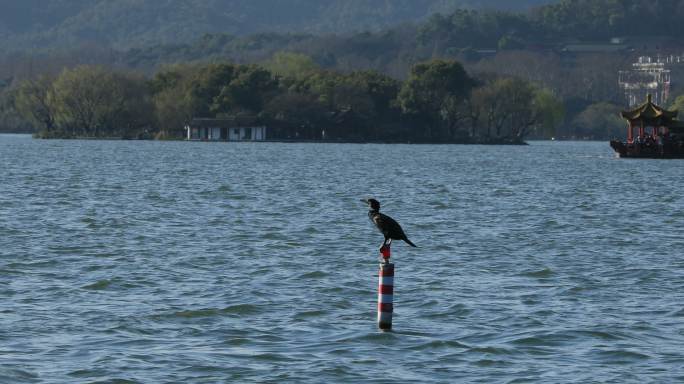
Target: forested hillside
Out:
[571,49]
[31,24]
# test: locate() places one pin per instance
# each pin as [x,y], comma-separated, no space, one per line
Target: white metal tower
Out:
[647,76]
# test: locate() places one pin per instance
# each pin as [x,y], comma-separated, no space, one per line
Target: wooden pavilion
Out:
[658,133]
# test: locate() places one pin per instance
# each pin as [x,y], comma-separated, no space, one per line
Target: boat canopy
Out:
[650,114]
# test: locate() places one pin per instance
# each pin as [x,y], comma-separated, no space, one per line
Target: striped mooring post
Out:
[385,290]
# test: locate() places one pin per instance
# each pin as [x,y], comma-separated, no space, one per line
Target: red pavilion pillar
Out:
[630,133]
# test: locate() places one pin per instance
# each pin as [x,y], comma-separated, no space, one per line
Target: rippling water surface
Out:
[255,262]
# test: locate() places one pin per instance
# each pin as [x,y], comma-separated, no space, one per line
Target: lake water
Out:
[156,262]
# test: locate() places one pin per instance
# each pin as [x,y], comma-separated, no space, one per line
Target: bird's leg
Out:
[385,243]
[385,249]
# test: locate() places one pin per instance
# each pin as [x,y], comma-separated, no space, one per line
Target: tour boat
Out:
[659,133]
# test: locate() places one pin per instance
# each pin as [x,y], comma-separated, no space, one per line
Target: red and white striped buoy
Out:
[385,290]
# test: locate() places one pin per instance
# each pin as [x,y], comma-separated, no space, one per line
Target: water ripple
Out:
[252,262]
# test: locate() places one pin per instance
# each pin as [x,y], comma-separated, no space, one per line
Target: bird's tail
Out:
[409,242]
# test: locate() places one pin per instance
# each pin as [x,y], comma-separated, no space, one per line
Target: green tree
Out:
[10,118]
[178,92]
[550,112]
[510,43]
[433,92]
[382,89]
[206,84]
[133,107]
[291,65]
[32,103]
[248,91]
[506,107]
[296,115]
[375,103]
[173,108]
[93,101]
[678,104]
[599,121]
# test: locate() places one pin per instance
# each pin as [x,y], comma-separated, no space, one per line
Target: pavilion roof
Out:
[648,111]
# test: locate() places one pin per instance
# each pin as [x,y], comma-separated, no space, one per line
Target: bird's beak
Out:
[364,201]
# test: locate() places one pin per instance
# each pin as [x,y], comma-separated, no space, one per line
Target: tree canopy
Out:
[308,103]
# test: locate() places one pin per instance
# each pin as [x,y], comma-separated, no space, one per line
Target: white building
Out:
[240,128]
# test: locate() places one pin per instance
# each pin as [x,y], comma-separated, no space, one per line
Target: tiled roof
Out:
[648,112]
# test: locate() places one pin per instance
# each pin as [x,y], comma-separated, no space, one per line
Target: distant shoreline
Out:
[430,142]
[525,142]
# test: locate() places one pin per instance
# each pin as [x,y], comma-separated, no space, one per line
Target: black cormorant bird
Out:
[387,225]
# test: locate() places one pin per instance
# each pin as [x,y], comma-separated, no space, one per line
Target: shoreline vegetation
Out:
[542,70]
[492,141]
[439,102]
[350,78]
